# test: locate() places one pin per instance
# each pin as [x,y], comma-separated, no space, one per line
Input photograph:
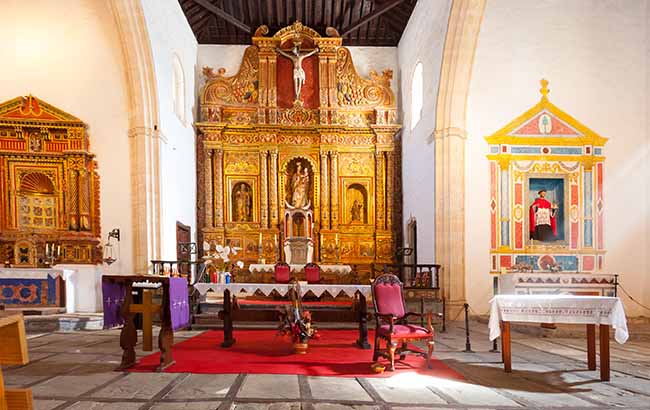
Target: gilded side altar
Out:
[299,146]
[49,186]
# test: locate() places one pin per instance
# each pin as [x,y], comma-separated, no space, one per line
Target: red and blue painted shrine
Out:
[32,287]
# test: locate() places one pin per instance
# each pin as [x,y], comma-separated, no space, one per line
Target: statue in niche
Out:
[356,211]
[242,204]
[300,187]
[543,224]
[298,72]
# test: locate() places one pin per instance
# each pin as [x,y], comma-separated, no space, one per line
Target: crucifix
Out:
[296,58]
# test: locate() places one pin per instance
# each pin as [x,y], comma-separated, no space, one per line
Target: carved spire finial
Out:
[544,90]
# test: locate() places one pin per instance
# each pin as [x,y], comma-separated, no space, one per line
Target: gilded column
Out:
[209,181]
[334,190]
[324,192]
[274,188]
[264,196]
[272,90]
[380,208]
[263,87]
[218,187]
[390,188]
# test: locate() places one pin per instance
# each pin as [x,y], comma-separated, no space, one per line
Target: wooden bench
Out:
[13,350]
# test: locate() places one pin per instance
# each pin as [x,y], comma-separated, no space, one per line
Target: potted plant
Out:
[296,323]
[220,261]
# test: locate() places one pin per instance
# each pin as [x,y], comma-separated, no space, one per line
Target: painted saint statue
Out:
[300,187]
[242,204]
[298,72]
[543,221]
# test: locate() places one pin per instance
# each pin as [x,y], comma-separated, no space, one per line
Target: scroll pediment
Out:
[32,108]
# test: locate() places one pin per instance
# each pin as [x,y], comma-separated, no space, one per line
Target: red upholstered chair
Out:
[312,273]
[392,327]
[282,273]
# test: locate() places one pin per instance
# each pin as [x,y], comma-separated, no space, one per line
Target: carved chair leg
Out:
[375,354]
[392,346]
[430,345]
[403,350]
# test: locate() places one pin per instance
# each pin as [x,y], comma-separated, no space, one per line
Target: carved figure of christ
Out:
[298,73]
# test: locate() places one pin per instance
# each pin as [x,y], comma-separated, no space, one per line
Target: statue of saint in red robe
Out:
[543,223]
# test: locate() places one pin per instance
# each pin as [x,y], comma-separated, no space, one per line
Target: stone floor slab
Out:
[205,405]
[270,386]
[406,390]
[333,406]
[328,388]
[71,386]
[266,406]
[47,404]
[202,386]
[472,394]
[92,405]
[136,386]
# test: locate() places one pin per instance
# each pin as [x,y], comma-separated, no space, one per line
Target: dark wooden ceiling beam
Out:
[345,31]
[226,16]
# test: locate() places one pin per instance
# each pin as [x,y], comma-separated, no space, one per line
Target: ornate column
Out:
[380,208]
[334,190]
[390,188]
[209,182]
[218,188]
[324,192]
[274,188]
[264,194]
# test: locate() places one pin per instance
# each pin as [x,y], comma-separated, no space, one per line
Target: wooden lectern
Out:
[13,350]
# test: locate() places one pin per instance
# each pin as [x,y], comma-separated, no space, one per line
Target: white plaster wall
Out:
[170,34]
[70,56]
[422,41]
[595,55]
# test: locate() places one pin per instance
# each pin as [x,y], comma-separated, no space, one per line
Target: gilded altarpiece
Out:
[546,193]
[49,187]
[299,129]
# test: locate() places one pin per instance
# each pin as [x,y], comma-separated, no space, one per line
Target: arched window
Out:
[416,95]
[178,94]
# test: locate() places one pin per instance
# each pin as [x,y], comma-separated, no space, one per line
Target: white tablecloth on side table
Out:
[597,310]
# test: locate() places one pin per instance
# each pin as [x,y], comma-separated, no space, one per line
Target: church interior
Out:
[324,204]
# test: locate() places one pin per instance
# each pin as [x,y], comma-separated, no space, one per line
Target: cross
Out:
[147,308]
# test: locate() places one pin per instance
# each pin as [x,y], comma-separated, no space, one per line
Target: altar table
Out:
[589,310]
[32,287]
[119,309]
[282,289]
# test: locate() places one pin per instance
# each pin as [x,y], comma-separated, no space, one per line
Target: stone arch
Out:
[450,136]
[143,131]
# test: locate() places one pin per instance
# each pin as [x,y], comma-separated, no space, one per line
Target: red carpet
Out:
[262,351]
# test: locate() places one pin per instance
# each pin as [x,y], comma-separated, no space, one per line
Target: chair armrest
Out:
[387,317]
[428,315]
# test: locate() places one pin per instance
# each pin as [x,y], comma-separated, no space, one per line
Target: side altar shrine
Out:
[299,158]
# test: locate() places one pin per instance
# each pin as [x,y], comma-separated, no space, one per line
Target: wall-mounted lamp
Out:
[112,248]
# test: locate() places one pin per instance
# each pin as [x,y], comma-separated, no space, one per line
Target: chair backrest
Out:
[312,273]
[388,295]
[282,272]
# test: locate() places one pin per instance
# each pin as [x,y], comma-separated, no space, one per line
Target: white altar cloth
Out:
[267,267]
[29,273]
[598,310]
[282,288]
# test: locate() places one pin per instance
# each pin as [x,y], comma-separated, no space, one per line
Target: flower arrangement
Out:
[220,258]
[295,322]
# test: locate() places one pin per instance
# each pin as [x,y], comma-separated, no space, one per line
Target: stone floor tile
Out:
[406,390]
[333,388]
[202,386]
[136,386]
[46,404]
[71,386]
[336,406]
[266,406]
[466,393]
[92,405]
[270,386]
[204,405]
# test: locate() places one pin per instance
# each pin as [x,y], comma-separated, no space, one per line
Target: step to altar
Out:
[63,322]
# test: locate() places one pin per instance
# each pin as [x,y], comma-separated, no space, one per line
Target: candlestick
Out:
[259,242]
[58,251]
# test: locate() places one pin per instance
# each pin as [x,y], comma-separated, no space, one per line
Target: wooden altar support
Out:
[13,350]
[147,308]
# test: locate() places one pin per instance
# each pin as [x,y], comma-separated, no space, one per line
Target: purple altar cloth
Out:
[179,303]
[113,296]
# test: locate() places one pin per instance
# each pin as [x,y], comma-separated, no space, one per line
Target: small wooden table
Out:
[13,350]
[587,310]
